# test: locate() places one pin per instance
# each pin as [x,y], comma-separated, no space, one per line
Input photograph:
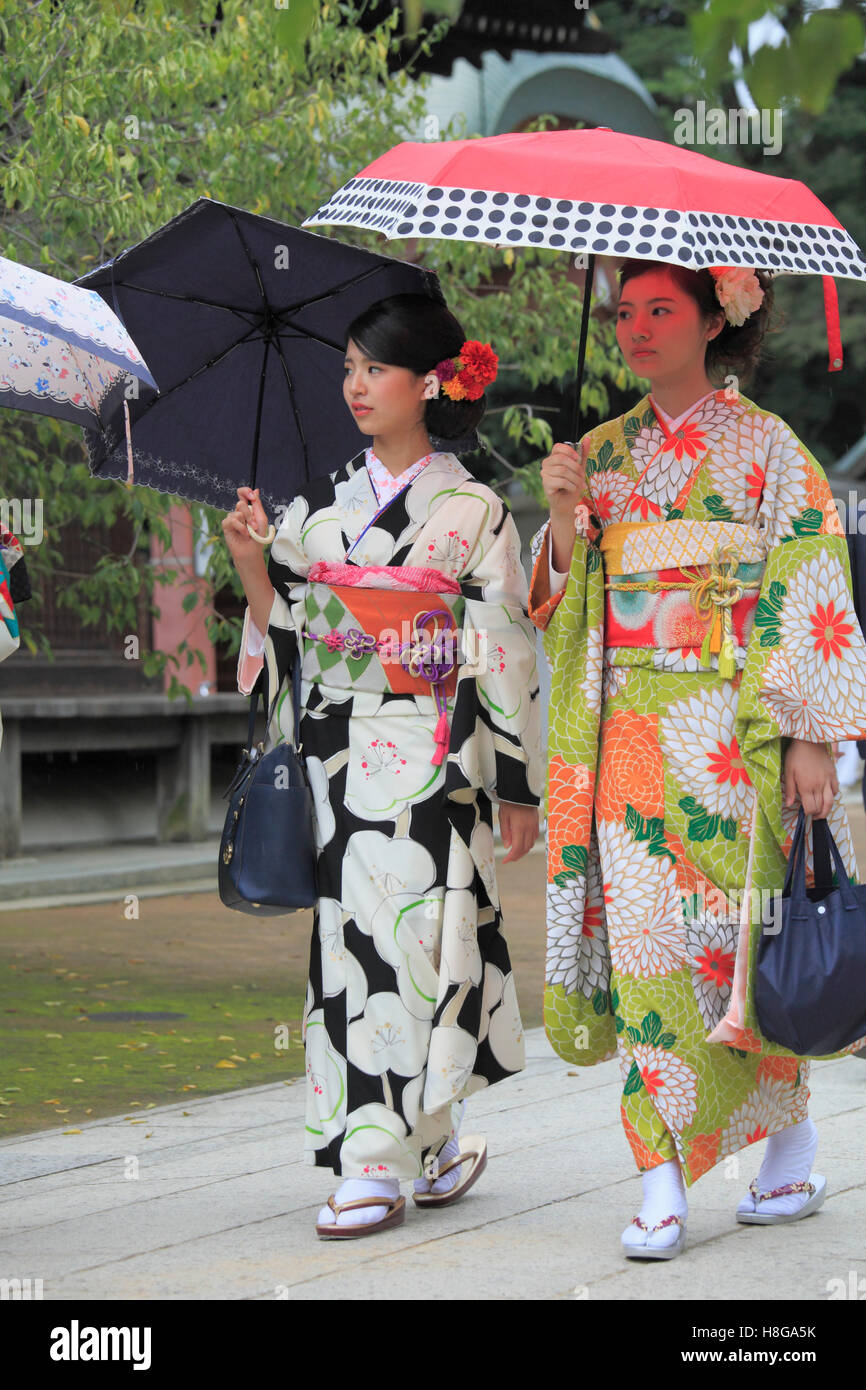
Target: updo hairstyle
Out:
[736,349]
[414,331]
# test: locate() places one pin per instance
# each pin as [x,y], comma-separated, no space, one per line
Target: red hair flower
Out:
[465,377]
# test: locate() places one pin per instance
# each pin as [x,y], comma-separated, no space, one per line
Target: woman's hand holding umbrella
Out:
[247,553]
[563,478]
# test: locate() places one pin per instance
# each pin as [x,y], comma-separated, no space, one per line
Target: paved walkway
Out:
[222,1205]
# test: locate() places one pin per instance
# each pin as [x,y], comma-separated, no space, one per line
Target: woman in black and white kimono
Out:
[398,560]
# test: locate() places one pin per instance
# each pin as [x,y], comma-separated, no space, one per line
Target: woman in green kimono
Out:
[693,590]
[398,579]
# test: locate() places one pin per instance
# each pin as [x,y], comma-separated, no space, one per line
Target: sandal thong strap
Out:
[651,1230]
[390,1202]
[468,1157]
[788,1189]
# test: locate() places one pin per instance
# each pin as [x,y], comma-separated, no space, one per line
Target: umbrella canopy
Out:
[599,191]
[62,350]
[244,321]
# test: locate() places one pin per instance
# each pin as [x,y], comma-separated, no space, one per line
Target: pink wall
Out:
[173,625]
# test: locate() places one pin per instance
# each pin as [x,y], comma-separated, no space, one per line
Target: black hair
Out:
[736,348]
[415,331]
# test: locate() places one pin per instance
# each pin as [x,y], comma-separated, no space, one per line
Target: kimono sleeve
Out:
[287,570]
[545,597]
[497,714]
[805,670]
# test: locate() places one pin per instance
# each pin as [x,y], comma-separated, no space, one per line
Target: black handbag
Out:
[810,979]
[267,860]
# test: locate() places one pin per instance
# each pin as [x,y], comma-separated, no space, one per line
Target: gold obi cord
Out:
[713,590]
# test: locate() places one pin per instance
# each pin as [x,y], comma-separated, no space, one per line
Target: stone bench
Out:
[179,733]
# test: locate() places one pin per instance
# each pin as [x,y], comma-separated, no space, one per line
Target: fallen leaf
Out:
[133,1103]
[52,1102]
[103,1058]
[236,1056]
[12,1088]
[61,1112]
[167,1066]
[89,1111]
[77,1079]
[257,1055]
[26,1068]
[138,1122]
[72,1131]
[149,1136]
[224,1063]
[225,1037]
[150,1105]
[186,1112]
[54,1035]
[189,1087]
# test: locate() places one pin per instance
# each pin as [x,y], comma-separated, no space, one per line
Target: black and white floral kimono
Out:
[411,1004]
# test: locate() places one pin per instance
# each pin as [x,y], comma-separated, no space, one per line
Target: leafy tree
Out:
[118,113]
[826,151]
[802,70]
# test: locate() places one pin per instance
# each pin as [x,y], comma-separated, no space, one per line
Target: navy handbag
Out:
[810,980]
[267,862]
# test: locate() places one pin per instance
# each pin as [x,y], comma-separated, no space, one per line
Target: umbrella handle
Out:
[130,472]
[584,332]
[262,540]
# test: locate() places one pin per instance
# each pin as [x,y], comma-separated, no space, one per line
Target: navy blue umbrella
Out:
[243,322]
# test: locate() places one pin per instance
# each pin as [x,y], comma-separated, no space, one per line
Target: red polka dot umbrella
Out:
[600,191]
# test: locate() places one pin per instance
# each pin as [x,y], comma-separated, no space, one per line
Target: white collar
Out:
[668,421]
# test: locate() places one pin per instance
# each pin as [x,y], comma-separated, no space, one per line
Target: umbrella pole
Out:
[584,333]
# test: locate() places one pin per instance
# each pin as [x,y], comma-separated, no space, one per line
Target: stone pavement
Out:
[222,1206]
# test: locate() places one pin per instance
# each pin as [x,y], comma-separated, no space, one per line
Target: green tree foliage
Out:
[826,151]
[115,115]
[803,69]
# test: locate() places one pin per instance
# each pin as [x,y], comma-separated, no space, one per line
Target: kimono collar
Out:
[385,485]
[668,421]
[687,439]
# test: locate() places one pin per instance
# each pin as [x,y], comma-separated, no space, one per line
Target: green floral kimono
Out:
[707,619]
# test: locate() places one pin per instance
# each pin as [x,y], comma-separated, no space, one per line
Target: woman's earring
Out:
[432,386]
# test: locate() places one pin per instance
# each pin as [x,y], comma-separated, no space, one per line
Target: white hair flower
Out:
[738,292]
[432,386]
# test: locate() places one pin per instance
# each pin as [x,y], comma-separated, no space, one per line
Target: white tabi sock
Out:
[789,1157]
[352,1190]
[664,1195]
[446,1153]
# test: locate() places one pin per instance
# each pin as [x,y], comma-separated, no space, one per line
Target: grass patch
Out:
[63,1066]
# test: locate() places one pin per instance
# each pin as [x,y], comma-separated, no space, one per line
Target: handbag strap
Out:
[823,845]
[795,874]
[821,841]
[259,690]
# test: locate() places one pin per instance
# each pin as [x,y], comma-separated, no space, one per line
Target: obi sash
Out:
[682,584]
[402,641]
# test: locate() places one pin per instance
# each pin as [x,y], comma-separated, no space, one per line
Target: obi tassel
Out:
[727,661]
[441,736]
